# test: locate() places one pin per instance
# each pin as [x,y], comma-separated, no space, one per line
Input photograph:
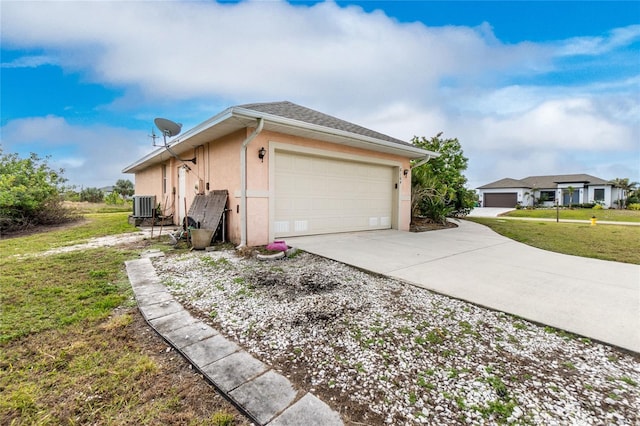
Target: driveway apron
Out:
[590,297]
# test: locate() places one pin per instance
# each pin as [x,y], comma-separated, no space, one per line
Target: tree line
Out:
[121,191]
[32,193]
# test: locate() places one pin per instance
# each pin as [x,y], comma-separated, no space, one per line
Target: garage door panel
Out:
[303,183]
[303,163]
[362,185]
[324,195]
[286,163]
[352,204]
[500,199]
[302,205]
[376,206]
[360,170]
[319,168]
[325,205]
[284,204]
[335,186]
[320,186]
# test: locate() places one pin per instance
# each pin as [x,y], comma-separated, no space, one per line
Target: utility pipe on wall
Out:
[243,183]
[423,161]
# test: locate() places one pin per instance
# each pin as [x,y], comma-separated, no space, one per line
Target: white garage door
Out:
[318,195]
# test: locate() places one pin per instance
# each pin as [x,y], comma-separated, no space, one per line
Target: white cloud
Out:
[91,155]
[598,45]
[258,50]
[568,135]
[562,124]
[403,79]
[29,62]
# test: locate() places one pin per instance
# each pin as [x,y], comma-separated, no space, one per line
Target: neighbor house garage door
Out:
[318,195]
[505,199]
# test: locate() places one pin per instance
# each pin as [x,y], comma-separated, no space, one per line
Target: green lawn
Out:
[74,350]
[83,207]
[579,214]
[619,243]
[93,225]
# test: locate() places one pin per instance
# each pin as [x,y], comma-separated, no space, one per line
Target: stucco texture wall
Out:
[149,181]
[218,165]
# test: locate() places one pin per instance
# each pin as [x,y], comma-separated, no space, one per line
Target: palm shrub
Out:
[418,194]
[437,208]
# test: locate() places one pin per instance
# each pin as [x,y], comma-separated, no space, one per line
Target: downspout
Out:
[423,161]
[243,182]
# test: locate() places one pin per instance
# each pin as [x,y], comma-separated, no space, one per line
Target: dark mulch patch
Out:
[423,224]
[39,229]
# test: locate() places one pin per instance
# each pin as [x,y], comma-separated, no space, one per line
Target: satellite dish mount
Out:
[170,129]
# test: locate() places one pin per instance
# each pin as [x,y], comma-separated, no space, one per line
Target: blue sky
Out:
[527,87]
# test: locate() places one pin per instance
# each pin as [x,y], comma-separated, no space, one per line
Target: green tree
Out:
[634,196]
[71,194]
[92,195]
[30,192]
[124,187]
[439,184]
[625,187]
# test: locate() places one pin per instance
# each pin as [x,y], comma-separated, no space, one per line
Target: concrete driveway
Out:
[489,211]
[593,298]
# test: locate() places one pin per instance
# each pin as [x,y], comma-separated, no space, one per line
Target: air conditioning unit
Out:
[143,205]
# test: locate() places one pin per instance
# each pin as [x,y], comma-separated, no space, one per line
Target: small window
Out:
[598,194]
[164,178]
[547,196]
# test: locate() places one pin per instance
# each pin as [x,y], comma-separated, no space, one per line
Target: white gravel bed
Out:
[382,351]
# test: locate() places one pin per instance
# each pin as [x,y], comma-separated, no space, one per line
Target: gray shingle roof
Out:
[552,180]
[296,112]
[541,182]
[504,183]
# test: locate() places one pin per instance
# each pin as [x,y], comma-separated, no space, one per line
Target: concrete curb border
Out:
[264,395]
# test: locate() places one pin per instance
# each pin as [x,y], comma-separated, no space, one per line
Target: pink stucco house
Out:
[289,171]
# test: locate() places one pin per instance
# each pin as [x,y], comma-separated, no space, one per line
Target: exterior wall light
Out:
[261,153]
[405,172]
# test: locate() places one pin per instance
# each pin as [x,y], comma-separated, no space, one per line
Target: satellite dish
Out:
[168,127]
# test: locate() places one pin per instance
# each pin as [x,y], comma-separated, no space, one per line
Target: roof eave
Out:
[147,160]
[135,166]
[362,141]
[412,152]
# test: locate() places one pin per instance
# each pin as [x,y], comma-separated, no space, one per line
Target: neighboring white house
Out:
[107,190]
[545,190]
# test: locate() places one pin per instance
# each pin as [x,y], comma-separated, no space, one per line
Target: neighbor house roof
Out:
[541,182]
[504,183]
[552,180]
[283,117]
